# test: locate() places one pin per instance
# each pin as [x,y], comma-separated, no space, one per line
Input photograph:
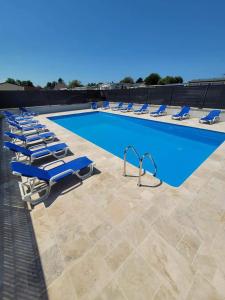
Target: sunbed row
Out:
[30,141]
[184,113]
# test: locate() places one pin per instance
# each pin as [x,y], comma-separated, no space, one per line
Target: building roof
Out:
[208,80]
[60,86]
[6,86]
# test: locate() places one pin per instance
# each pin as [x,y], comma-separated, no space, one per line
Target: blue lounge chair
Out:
[118,106]
[143,109]
[42,137]
[8,114]
[183,114]
[36,152]
[39,180]
[94,105]
[212,117]
[22,122]
[25,111]
[23,129]
[161,111]
[128,108]
[105,105]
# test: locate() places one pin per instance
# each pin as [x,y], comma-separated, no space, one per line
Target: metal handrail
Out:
[148,155]
[125,158]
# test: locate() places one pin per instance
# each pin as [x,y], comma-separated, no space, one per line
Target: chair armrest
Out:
[54,162]
[64,173]
[37,146]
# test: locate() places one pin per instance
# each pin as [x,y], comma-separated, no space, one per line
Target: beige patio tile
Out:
[219,282]
[169,229]
[89,275]
[135,229]
[111,292]
[108,242]
[62,288]
[189,245]
[118,210]
[52,264]
[206,265]
[137,280]
[164,293]
[152,214]
[203,290]
[168,263]
[117,256]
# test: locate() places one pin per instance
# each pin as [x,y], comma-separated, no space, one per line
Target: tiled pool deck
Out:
[110,239]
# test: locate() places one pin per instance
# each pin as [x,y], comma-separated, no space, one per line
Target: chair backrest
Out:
[214,113]
[120,104]
[185,109]
[162,107]
[14,124]
[93,105]
[11,135]
[16,148]
[29,171]
[7,113]
[129,106]
[106,103]
[144,106]
[23,109]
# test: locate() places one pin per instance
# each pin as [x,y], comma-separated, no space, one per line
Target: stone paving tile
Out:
[167,263]
[111,292]
[89,274]
[62,288]
[107,238]
[117,256]
[202,290]
[137,280]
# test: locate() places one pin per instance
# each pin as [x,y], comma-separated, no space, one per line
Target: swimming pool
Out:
[177,150]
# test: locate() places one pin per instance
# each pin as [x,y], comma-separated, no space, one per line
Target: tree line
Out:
[154,79]
[151,79]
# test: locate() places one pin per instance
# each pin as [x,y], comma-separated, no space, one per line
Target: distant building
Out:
[207,81]
[5,86]
[60,86]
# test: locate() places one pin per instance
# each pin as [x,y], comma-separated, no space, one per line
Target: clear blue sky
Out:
[105,40]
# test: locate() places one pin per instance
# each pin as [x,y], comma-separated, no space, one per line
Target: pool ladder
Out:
[140,162]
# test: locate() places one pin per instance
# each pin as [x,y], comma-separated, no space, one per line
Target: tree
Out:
[11,80]
[60,80]
[179,79]
[20,82]
[27,83]
[152,79]
[171,80]
[74,83]
[139,80]
[50,85]
[127,79]
[92,84]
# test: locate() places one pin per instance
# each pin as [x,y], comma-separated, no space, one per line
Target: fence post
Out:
[205,94]
[171,95]
[148,95]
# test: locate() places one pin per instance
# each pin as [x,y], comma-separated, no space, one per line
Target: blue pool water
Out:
[177,150]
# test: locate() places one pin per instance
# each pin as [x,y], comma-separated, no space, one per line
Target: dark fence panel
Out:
[212,96]
[38,98]
[215,97]
[188,95]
